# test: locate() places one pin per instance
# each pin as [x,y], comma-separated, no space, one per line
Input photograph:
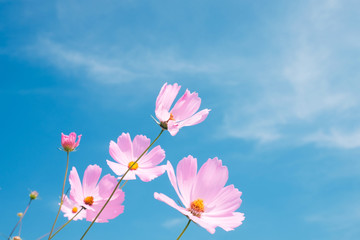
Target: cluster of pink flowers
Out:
[205,199]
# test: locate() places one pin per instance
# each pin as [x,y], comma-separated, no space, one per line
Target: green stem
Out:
[82,208]
[123,184]
[117,185]
[62,196]
[26,209]
[184,230]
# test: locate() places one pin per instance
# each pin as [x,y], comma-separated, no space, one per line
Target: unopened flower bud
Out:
[68,142]
[33,195]
[20,214]
[17,238]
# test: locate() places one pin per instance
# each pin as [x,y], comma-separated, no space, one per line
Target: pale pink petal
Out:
[119,170]
[210,180]
[153,158]
[172,178]
[173,127]
[78,141]
[186,175]
[162,114]
[67,208]
[125,145]
[196,119]
[91,177]
[117,154]
[171,203]
[76,193]
[227,201]
[226,223]
[131,175]
[186,106]
[148,174]
[111,211]
[140,143]
[167,96]
[107,185]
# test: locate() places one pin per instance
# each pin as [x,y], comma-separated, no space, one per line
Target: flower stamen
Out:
[133,167]
[74,210]
[89,200]
[197,207]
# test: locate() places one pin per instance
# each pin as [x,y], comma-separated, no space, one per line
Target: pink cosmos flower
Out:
[204,196]
[68,142]
[184,111]
[92,196]
[125,153]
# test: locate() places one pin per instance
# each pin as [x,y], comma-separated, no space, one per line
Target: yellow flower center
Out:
[133,167]
[171,117]
[197,207]
[74,210]
[89,200]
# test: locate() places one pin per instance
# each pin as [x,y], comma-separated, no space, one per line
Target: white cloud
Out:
[117,66]
[311,89]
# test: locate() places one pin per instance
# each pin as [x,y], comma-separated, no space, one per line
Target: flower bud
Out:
[33,195]
[17,238]
[68,142]
[20,214]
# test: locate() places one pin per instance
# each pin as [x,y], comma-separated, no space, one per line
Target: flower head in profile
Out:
[204,196]
[69,143]
[125,152]
[91,195]
[184,111]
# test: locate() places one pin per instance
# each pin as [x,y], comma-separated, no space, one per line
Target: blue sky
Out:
[281,78]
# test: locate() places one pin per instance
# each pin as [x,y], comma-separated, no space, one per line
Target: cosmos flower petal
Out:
[186,106]
[125,145]
[173,181]
[170,202]
[227,201]
[67,209]
[227,223]
[173,127]
[76,192]
[153,158]
[91,177]
[211,178]
[107,185]
[117,154]
[195,119]
[165,99]
[117,168]
[140,143]
[186,174]
[148,174]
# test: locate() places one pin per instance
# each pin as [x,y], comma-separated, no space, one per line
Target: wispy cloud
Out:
[309,94]
[173,222]
[117,66]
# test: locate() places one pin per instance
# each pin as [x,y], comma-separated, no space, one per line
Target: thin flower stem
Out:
[62,196]
[82,208]
[123,184]
[26,209]
[184,230]
[117,185]
[20,229]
